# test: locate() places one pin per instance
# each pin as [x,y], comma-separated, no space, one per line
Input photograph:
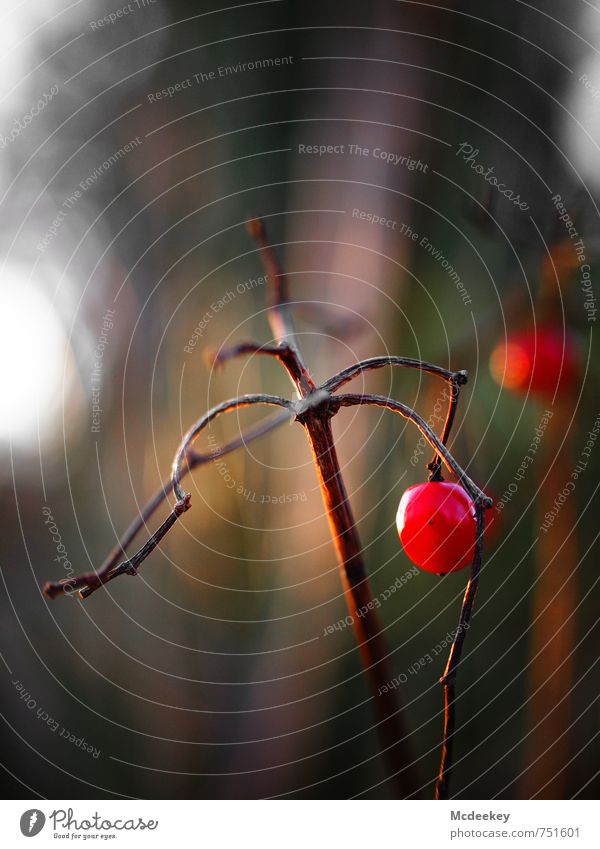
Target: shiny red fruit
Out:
[538,360]
[437,526]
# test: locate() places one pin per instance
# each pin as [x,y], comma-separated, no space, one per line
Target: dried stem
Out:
[313,410]
[448,679]
[107,570]
[206,419]
[280,314]
[338,380]
[283,352]
[478,496]
[435,466]
[130,566]
[315,416]
[481,503]
[183,498]
[366,624]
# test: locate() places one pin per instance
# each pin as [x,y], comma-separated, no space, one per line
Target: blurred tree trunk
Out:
[553,632]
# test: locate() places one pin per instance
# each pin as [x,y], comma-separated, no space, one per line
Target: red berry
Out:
[539,360]
[437,526]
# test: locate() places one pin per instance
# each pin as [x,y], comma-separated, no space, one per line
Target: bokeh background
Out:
[212,674]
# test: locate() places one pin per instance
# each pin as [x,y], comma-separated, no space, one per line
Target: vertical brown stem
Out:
[359,598]
[448,679]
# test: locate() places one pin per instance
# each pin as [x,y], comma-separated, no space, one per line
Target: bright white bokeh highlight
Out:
[33,346]
[582,135]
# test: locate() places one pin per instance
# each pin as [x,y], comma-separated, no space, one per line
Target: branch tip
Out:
[183,505]
[210,358]
[255,228]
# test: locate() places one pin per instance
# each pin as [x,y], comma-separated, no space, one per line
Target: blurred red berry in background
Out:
[537,359]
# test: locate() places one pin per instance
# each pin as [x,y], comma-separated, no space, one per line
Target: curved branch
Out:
[107,570]
[206,419]
[338,380]
[455,379]
[245,438]
[182,503]
[286,355]
[219,357]
[478,496]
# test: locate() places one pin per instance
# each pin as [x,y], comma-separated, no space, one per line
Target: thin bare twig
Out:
[448,679]
[130,566]
[481,502]
[478,496]
[435,466]
[107,570]
[182,503]
[455,379]
[280,314]
[283,352]
[206,419]
[315,416]
[338,380]
[314,410]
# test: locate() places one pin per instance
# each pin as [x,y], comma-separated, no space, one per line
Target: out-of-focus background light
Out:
[33,347]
